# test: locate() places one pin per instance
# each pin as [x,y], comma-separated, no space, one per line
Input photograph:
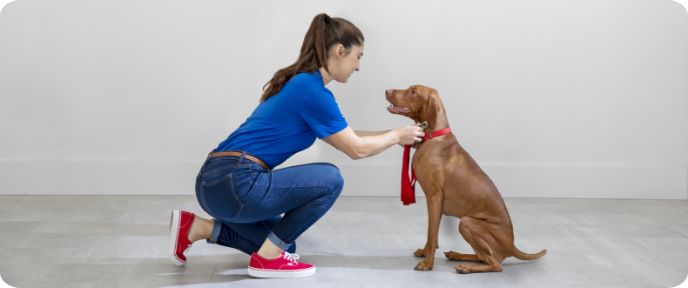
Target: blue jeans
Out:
[251,204]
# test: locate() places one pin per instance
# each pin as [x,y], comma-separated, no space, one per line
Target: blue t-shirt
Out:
[289,121]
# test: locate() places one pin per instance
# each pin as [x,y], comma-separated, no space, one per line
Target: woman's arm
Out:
[369,133]
[370,143]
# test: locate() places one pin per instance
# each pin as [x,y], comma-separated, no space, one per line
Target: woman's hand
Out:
[410,134]
[357,147]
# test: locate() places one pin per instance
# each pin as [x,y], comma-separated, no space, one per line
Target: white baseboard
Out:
[136,177]
[98,177]
[579,181]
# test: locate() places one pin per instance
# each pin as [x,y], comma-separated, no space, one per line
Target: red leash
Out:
[408,184]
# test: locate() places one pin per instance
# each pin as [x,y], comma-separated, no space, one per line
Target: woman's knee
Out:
[333,178]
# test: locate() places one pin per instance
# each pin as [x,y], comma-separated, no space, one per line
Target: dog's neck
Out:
[440,122]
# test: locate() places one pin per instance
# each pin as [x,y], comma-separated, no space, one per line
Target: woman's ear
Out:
[341,50]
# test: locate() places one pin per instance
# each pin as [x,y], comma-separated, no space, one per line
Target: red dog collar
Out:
[437,133]
[408,184]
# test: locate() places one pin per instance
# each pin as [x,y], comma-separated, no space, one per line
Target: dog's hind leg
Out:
[456,256]
[478,237]
[492,266]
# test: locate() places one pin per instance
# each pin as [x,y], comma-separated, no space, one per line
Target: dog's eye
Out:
[413,92]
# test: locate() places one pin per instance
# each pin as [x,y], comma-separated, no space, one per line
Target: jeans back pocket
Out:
[218,197]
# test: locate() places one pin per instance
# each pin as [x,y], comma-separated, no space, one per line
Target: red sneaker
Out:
[180,224]
[284,266]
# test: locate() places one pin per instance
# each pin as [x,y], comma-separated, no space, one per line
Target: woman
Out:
[237,184]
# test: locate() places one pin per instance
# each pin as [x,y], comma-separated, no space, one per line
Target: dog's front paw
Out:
[419,253]
[422,266]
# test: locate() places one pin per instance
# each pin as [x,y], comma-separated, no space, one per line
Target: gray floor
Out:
[121,241]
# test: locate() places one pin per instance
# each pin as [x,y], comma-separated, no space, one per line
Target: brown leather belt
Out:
[236,153]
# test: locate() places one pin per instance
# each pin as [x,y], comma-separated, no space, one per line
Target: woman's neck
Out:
[325,76]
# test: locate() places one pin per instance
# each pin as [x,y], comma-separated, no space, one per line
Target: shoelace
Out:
[291,257]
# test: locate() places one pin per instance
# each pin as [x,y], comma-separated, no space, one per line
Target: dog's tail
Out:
[525,256]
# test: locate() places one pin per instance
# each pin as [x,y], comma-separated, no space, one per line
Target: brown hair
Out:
[323,33]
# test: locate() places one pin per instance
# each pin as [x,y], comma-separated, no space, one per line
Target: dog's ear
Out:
[431,109]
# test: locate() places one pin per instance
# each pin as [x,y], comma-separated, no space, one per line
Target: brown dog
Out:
[455,185]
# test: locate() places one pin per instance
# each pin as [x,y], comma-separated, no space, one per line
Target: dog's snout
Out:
[389,92]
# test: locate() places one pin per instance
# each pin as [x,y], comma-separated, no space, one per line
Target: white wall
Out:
[552,98]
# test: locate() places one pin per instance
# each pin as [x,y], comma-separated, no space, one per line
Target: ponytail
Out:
[323,33]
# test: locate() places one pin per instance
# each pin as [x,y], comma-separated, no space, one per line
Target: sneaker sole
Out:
[174,229]
[260,273]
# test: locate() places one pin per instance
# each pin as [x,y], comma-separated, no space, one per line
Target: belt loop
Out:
[243,155]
